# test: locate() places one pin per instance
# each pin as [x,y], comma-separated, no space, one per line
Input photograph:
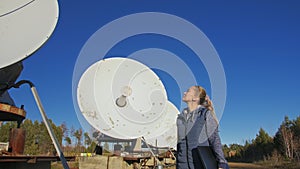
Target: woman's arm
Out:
[214,139]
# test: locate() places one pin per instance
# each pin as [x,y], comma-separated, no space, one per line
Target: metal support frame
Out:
[158,164]
[45,119]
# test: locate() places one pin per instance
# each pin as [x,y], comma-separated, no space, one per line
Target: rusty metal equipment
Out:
[17,141]
[45,119]
[29,161]
[16,135]
[12,113]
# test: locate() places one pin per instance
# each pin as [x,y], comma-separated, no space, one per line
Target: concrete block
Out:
[96,162]
[116,162]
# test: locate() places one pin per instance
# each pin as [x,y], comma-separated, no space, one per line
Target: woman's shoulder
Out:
[203,110]
[182,113]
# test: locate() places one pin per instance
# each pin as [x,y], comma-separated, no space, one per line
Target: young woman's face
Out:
[189,95]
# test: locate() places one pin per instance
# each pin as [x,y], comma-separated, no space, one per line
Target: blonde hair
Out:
[203,98]
[205,101]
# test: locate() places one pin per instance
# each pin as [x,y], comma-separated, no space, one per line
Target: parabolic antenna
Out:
[25,26]
[168,138]
[124,99]
[130,95]
[87,104]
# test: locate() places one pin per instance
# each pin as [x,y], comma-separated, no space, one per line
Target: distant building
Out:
[4,146]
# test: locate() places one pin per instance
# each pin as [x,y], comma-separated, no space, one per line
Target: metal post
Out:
[157,162]
[45,119]
[48,126]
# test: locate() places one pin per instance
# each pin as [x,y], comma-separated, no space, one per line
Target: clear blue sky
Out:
[257,42]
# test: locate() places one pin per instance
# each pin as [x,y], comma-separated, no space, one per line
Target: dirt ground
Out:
[233,165]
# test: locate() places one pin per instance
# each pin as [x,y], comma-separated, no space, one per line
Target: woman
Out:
[197,126]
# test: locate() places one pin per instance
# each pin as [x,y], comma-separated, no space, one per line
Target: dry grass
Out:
[58,165]
[234,165]
[261,165]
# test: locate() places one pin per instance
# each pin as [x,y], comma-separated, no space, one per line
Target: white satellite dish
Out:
[25,26]
[124,99]
[167,138]
[87,104]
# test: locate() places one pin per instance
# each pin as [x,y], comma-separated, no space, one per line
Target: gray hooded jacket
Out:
[192,132]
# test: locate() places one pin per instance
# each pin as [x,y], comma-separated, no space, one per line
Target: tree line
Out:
[285,145]
[38,142]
